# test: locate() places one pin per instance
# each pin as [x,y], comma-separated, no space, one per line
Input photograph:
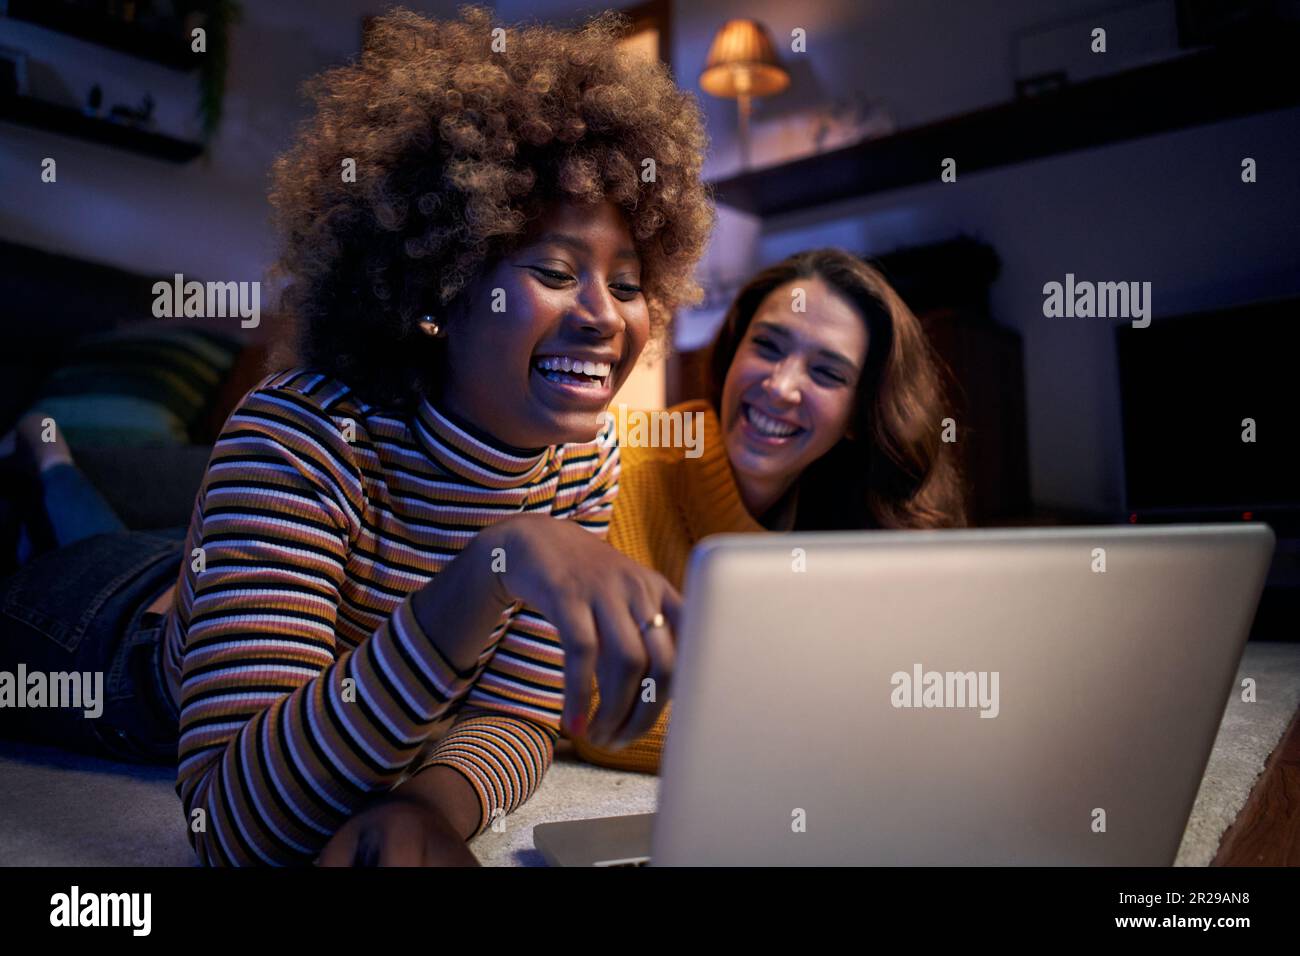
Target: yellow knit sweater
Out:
[666,503]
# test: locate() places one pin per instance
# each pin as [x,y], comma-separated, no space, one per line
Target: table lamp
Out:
[743,64]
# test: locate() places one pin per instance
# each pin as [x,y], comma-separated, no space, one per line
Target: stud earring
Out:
[430,327]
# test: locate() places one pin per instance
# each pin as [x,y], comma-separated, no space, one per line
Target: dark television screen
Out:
[1186,384]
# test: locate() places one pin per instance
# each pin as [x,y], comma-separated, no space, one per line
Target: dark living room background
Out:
[1126,165]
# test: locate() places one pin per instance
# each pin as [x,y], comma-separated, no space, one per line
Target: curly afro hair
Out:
[458,148]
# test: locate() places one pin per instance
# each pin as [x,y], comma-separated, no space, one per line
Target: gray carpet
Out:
[61,809]
[1247,735]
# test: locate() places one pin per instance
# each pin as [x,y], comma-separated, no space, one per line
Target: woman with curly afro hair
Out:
[482,228]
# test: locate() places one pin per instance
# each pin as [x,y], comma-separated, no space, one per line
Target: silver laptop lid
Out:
[1038,696]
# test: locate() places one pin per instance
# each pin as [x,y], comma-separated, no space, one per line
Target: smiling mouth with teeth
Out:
[768,426]
[566,371]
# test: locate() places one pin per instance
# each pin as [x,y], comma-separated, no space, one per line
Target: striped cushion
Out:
[139,384]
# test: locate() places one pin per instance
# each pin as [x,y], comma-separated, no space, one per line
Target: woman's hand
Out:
[603,604]
[398,829]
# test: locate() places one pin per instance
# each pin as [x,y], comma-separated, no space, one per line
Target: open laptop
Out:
[973,697]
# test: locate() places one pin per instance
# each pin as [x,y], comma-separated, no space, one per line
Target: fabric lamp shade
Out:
[742,62]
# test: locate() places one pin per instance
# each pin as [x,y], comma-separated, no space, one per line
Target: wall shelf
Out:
[1193,90]
[55,118]
[163,41]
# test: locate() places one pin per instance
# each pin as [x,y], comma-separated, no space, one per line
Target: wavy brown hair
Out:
[458,149]
[897,473]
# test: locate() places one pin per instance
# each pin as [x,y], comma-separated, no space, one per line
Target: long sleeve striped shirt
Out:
[304,682]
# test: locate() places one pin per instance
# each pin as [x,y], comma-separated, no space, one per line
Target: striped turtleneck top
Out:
[667,503]
[305,684]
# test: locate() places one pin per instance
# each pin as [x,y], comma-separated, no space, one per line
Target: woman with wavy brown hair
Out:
[404,526]
[825,412]
[889,468]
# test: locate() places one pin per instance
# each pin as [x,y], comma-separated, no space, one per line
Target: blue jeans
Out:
[79,608]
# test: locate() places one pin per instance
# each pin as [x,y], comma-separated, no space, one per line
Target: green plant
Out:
[216,17]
